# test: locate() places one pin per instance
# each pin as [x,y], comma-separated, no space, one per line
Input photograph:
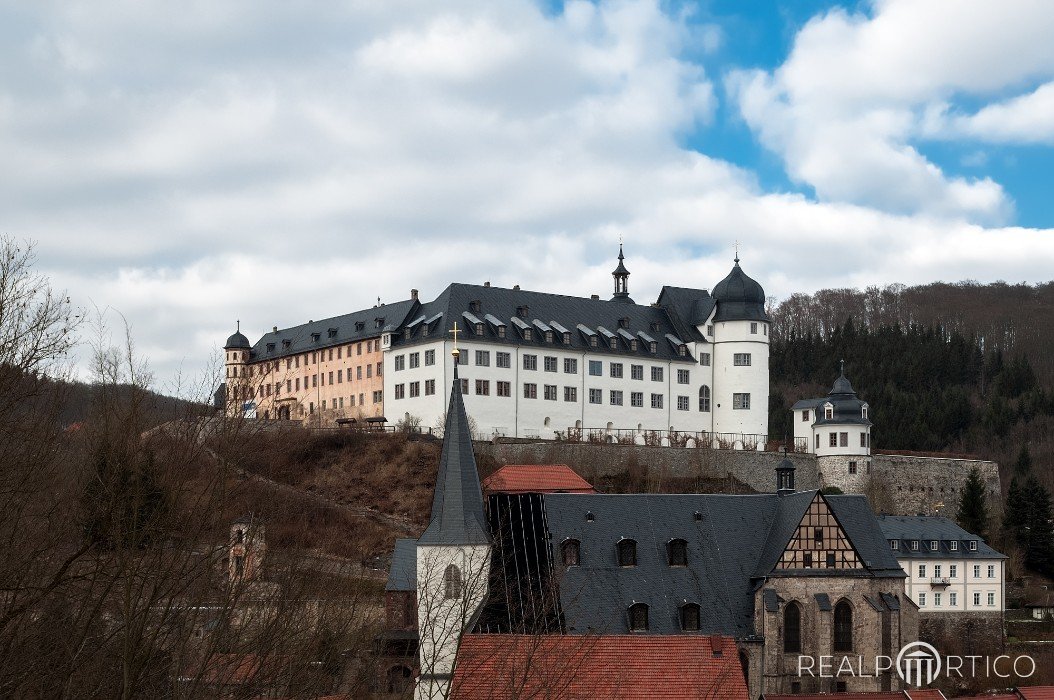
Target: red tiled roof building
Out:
[536,478]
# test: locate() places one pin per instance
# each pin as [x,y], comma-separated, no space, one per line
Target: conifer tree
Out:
[973,510]
[1039,530]
[1023,465]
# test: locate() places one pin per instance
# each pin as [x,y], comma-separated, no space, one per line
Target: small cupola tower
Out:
[621,275]
[785,477]
[453,554]
[236,360]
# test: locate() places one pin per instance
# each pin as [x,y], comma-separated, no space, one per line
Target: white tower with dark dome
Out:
[236,352]
[738,327]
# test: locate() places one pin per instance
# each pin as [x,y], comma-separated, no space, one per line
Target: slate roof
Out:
[925,529]
[911,694]
[507,666]
[402,576]
[536,478]
[569,312]
[739,298]
[237,340]
[848,408]
[330,332]
[457,505]
[735,542]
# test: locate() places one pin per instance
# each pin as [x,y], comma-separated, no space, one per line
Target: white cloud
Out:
[1027,118]
[848,107]
[272,163]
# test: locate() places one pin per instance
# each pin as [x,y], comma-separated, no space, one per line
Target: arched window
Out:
[689,617]
[570,552]
[677,552]
[828,411]
[638,617]
[843,626]
[792,628]
[704,399]
[452,582]
[627,553]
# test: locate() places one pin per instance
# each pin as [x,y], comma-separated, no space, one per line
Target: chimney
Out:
[487,283]
[413,294]
[594,296]
[275,329]
[516,287]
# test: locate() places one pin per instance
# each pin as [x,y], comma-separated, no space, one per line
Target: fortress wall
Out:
[900,484]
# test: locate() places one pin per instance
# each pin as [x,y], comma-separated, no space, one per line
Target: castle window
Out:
[710,329]
[754,329]
[863,411]
[479,329]
[973,545]
[843,439]
[843,626]
[677,552]
[704,399]
[690,617]
[571,551]
[852,467]
[548,336]
[452,582]
[682,350]
[914,545]
[894,544]
[526,333]
[933,545]
[741,402]
[501,331]
[653,347]
[627,552]
[792,628]
[828,412]
[567,338]
[704,359]
[833,440]
[638,617]
[805,416]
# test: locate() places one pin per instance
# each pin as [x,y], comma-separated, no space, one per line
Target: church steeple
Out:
[457,507]
[621,275]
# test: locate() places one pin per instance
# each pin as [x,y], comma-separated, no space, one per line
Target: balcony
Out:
[940,581]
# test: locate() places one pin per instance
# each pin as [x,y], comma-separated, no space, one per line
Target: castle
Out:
[534,364]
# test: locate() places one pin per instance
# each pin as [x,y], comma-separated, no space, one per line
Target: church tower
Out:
[236,360]
[453,554]
[621,275]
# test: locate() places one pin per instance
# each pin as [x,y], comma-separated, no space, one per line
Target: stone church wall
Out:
[899,484]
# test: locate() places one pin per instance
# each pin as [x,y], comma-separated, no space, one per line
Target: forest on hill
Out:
[964,367]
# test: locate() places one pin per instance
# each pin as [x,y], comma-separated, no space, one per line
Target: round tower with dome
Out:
[738,328]
[236,352]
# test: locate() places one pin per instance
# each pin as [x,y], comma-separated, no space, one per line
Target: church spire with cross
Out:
[457,506]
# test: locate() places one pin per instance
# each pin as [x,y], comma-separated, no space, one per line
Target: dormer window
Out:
[613,343]
[475,305]
[682,350]
[315,337]
[425,331]
[331,333]
[633,345]
[548,336]
[828,411]
[286,344]
[521,311]
[653,347]
[934,544]
[623,322]
[677,552]
[863,411]
[973,545]
[407,332]
[526,333]
[570,552]
[479,329]
[270,347]
[954,545]
[501,331]
[360,325]
[567,337]
[592,341]
[638,617]
[627,552]
[894,545]
[914,545]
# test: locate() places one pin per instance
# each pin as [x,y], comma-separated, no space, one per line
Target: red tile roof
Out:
[925,694]
[536,478]
[580,667]
[1036,692]
[898,695]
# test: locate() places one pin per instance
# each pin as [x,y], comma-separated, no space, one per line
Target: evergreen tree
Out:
[973,510]
[1015,513]
[1039,530]
[1023,465]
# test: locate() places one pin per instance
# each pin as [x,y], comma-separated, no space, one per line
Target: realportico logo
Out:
[918,664]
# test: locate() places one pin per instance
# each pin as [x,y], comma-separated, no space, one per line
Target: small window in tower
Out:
[239,536]
[571,550]
[638,617]
[690,617]
[677,551]
[805,416]
[753,329]
[452,582]
[627,553]
[828,412]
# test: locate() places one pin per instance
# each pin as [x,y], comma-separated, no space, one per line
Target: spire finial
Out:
[239,325]
[841,364]
[737,252]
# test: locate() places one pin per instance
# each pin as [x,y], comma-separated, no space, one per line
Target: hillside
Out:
[961,368]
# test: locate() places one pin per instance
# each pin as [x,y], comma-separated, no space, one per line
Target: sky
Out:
[189,165]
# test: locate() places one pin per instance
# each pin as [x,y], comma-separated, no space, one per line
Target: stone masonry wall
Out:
[902,485]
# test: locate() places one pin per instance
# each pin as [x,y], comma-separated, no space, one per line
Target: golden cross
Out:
[455,332]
